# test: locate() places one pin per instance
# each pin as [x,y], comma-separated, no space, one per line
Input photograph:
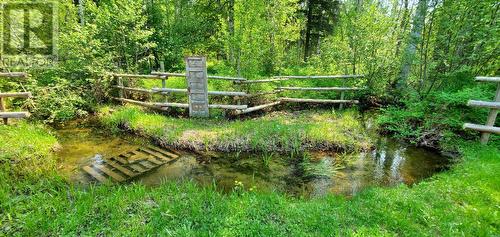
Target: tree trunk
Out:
[81,12]
[230,24]
[307,45]
[404,23]
[411,48]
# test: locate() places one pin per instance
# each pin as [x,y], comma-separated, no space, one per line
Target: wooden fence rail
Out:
[164,76]
[3,96]
[201,93]
[494,107]
[239,109]
[14,74]
[319,88]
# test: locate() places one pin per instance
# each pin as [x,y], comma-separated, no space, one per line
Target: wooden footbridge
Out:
[130,165]
[494,107]
[198,93]
[3,110]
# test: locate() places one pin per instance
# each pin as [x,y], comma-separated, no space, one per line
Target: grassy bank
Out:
[24,149]
[462,201]
[279,131]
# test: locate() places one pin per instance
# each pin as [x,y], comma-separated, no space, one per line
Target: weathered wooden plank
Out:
[155,161]
[2,108]
[255,108]
[120,159]
[137,76]
[134,89]
[138,156]
[299,100]
[138,168]
[320,88]
[222,93]
[14,114]
[492,116]
[262,81]
[121,168]
[264,93]
[13,74]
[146,164]
[16,94]
[196,72]
[110,173]
[488,79]
[227,78]
[235,107]
[155,154]
[484,104]
[321,77]
[141,103]
[95,174]
[165,152]
[121,93]
[168,90]
[286,78]
[228,93]
[482,128]
[169,74]
[176,105]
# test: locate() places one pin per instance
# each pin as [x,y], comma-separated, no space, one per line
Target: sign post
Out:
[196,75]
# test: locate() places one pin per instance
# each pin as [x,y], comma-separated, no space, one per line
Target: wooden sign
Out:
[196,75]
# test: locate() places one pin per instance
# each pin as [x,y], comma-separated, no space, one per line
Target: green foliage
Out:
[438,118]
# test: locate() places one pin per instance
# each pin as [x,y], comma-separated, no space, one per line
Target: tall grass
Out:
[274,132]
[463,201]
[25,149]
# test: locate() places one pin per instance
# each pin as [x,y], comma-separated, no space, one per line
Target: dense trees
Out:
[419,46]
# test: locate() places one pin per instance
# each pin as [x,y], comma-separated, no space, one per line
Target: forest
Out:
[411,148]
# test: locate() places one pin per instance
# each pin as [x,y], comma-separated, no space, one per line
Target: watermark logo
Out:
[28,34]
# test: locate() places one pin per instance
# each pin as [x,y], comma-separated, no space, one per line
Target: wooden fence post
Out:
[120,84]
[2,109]
[196,75]
[164,86]
[491,118]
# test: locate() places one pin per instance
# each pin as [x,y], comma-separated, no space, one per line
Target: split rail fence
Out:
[3,95]
[197,91]
[494,107]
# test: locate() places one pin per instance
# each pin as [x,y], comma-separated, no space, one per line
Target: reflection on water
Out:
[314,174]
[391,163]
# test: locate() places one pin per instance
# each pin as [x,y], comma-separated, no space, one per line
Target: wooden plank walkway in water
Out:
[129,165]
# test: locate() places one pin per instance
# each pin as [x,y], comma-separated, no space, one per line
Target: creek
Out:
[311,174]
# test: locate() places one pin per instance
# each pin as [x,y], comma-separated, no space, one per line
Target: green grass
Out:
[25,148]
[464,201]
[279,131]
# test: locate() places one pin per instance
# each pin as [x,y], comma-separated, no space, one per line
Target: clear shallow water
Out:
[309,175]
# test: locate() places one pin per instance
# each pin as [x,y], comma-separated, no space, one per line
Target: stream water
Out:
[308,175]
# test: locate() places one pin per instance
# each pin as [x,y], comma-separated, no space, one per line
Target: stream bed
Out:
[313,174]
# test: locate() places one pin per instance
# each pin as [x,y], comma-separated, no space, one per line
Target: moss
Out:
[277,131]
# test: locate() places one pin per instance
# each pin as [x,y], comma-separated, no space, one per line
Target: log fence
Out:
[191,92]
[494,107]
[280,89]
[4,115]
[239,106]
